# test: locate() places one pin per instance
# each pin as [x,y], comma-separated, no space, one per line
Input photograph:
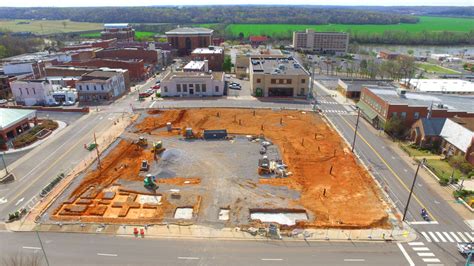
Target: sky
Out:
[74,3]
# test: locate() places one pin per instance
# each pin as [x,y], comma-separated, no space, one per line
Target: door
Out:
[191,91]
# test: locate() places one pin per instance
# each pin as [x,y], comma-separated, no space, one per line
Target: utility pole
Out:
[42,247]
[411,189]
[355,131]
[4,163]
[97,150]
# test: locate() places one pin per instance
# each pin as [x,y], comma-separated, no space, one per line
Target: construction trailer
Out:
[215,134]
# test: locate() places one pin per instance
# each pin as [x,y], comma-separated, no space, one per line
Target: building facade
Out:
[33,92]
[213,55]
[121,31]
[321,42]
[100,86]
[13,123]
[33,68]
[278,77]
[192,84]
[185,40]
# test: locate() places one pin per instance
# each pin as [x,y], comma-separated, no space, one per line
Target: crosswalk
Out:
[327,102]
[335,111]
[425,254]
[452,237]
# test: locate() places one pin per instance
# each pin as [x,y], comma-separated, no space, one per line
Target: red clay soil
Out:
[309,147]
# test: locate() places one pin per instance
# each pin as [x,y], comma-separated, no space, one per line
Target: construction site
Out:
[226,168]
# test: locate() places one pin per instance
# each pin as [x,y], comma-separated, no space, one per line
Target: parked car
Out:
[158,82]
[234,86]
[3,102]
[68,103]
[156,87]
[465,248]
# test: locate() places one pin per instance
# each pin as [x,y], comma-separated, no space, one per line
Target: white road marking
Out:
[431,260]
[416,244]
[19,201]
[426,254]
[448,237]
[402,249]
[151,105]
[462,236]
[107,254]
[421,249]
[35,248]
[101,117]
[440,236]
[469,236]
[3,200]
[426,237]
[423,222]
[455,237]
[435,239]
[188,258]
[272,259]
[354,260]
[434,264]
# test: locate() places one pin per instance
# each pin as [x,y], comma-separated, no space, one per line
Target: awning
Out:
[366,110]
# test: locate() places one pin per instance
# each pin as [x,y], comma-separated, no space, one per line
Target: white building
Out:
[323,42]
[61,94]
[32,92]
[100,86]
[444,86]
[196,66]
[176,84]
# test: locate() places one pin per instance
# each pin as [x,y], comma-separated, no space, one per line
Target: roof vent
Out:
[401,92]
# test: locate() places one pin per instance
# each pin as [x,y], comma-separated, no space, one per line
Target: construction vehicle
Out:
[149,182]
[144,166]
[157,147]
[143,142]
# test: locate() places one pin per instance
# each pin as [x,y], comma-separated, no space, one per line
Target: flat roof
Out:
[357,85]
[188,30]
[277,66]
[116,25]
[438,101]
[209,50]
[194,65]
[441,85]
[9,117]
[214,75]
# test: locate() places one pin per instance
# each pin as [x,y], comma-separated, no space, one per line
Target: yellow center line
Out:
[388,166]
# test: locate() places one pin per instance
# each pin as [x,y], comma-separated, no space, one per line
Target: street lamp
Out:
[355,130]
[4,164]
[42,247]
[412,187]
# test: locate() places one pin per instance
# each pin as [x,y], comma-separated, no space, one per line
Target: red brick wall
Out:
[215,60]
[136,69]
[179,43]
[148,56]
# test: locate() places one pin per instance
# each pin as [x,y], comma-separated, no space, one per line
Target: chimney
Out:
[206,65]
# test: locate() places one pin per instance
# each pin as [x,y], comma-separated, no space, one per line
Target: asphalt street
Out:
[83,249]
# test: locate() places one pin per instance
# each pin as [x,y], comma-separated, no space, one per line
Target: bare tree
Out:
[64,23]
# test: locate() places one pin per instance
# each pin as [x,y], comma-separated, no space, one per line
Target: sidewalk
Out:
[336,95]
[203,232]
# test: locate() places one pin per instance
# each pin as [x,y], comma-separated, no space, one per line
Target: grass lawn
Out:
[426,23]
[47,26]
[432,68]
[138,34]
[415,152]
[442,169]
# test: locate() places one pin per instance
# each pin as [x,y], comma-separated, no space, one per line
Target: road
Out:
[83,249]
[396,177]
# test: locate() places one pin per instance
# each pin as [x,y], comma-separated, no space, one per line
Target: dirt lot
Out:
[326,181]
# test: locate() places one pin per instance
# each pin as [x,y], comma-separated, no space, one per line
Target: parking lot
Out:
[245,89]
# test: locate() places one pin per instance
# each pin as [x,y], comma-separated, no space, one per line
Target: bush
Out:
[29,136]
[443,181]
[459,162]
[464,194]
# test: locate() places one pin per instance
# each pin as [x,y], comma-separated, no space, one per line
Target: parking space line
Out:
[107,254]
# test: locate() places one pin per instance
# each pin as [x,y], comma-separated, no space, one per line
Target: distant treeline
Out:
[210,14]
[11,45]
[414,38]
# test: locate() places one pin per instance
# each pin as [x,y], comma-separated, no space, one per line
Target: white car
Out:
[465,248]
[68,103]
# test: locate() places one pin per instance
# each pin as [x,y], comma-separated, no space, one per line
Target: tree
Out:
[407,68]
[410,52]
[460,163]
[241,35]
[64,22]
[3,51]
[227,66]
[395,127]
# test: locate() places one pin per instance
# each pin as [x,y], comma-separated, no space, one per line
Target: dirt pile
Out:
[338,191]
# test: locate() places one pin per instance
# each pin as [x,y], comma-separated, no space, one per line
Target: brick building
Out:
[87,45]
[213,55]
[378,105]
[123,32]
[388,55]
[185,40]
[149,57]
[321,42]
[256,41]
[76,72]
[13,123]
[137,70]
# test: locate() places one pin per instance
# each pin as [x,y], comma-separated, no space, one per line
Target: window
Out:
[34,91]
[280,81]
[102,86]
[394,114]
[191,85]
[87,87]
[403,115]
[178,87]
[95,87]
[416,115]
[203,88]
[217,88]
[27,91]
[80,87]
[288,81]
[259,80]
[21,92]
[273,81]
[198,87]
[166,89]
[185,88]
[303,81]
